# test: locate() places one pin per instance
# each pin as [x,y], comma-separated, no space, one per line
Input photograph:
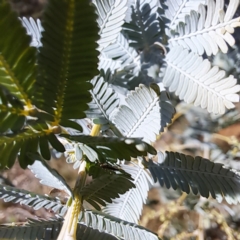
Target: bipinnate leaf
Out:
[48,176]
[28,140]
[34,30]
[104,99]
[122,207]
[197,174]
[146,115]
[176,10]
[12,115]
[144,28]
[195,80]
[116,226]
[123,53]
[209,29]
[111,16]
[110,148]
[36,201]
[18,63]
[105,188]
[67,60]
[49,230]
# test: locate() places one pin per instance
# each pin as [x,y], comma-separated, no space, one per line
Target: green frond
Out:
[104,188]
[28,140]
[87,233]
[36,201]
[96,170]
[49,230]
[110,148]
[17,58]
[12,115]
[197,174]
[11,144]
[11,118]
[33,230]
[67,60]
[116,226]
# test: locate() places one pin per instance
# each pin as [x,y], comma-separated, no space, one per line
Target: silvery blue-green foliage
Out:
[104,99]
[36,201]
[49,176]
[34,29]
[176,10]
[111,16]
[193,79]
[122,206]
[179,63]
[115,226]
[230,62]
[198,27]
[143,108]
[203,31]
[126,54]
[144,46]
[135,54]
[107,63]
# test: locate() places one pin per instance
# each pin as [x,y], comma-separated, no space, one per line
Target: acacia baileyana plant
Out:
[79,63]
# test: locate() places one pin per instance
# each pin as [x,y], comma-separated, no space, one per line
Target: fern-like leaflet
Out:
[208,29]
[198,174]
[36,201]
[194,79]
[111,16]
[143,108]
[122,207]
[176,10]
[116,226]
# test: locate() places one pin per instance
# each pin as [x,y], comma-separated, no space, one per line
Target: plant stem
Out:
[69,228]
[95,130]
